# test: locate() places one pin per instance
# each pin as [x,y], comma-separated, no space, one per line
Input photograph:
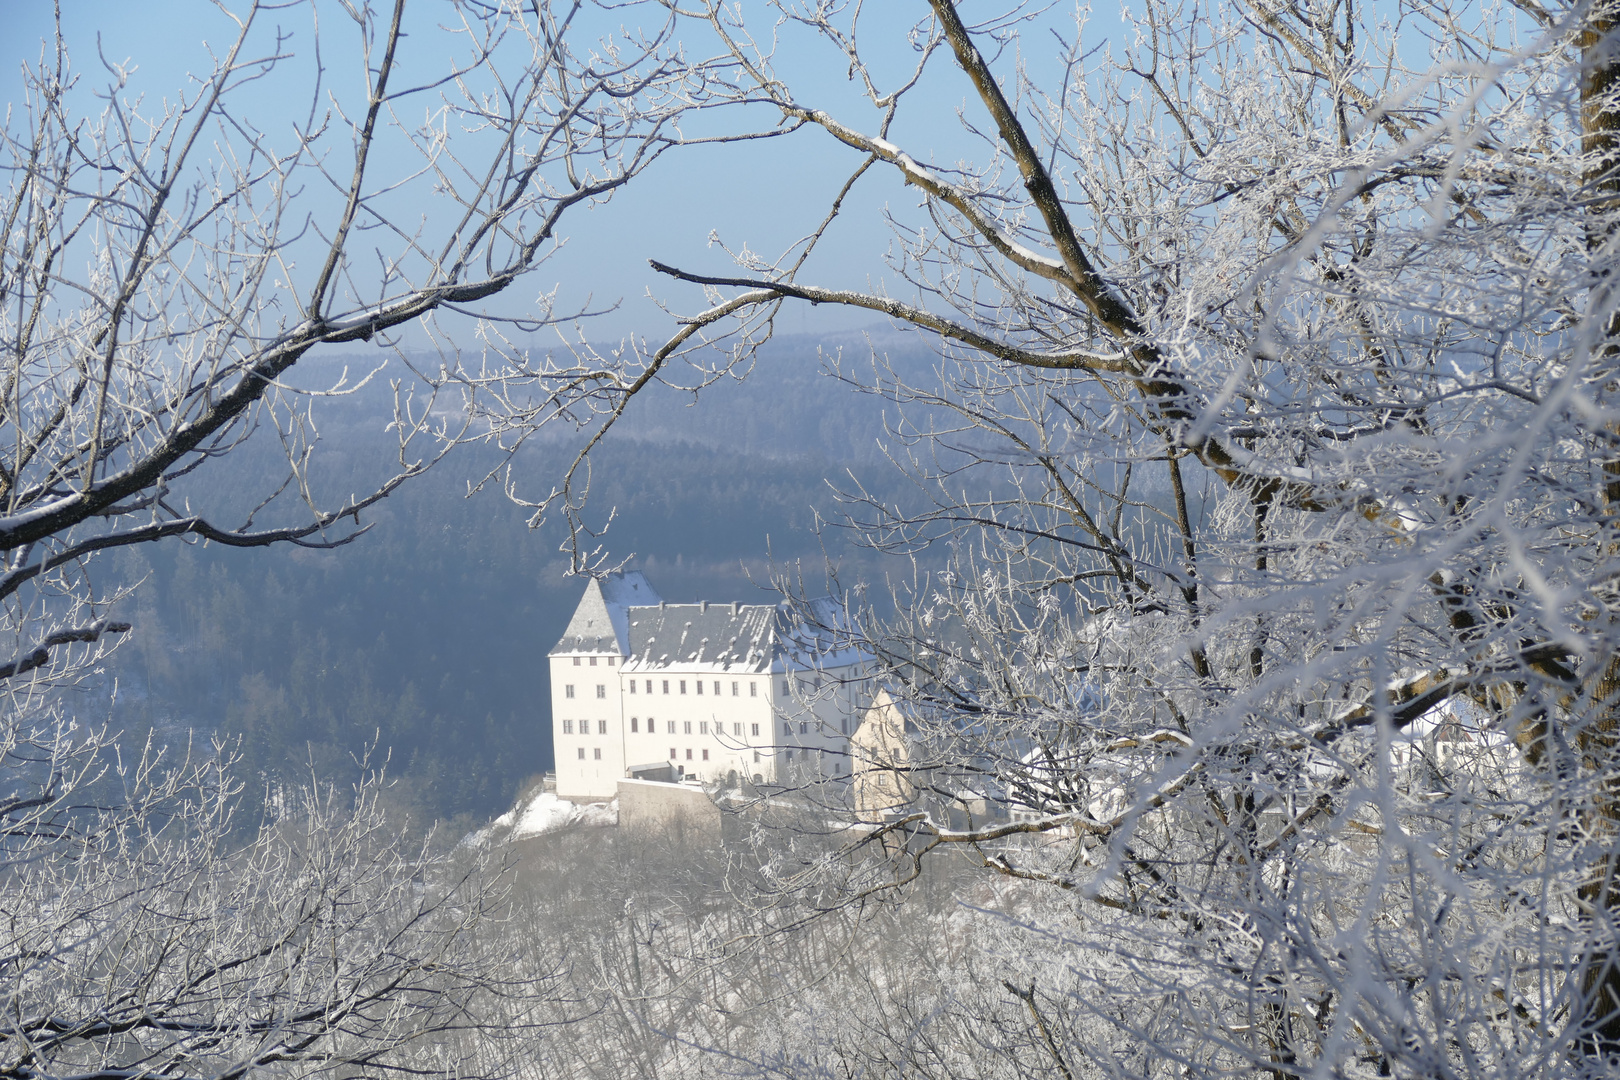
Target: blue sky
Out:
[764,195]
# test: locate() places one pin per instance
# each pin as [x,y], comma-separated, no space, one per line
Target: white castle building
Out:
[719,692]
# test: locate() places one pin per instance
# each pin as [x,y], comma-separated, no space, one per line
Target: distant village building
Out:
[881,751]
[904,762]
[718,693]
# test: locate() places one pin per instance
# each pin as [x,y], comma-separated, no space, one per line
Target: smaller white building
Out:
[907,759]
[719,692]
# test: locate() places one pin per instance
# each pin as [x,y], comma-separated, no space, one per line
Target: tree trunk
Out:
[1600,143]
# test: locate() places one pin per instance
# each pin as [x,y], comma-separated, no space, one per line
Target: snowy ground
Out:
[540,813]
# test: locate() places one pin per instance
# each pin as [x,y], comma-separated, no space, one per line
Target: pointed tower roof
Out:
[600,624]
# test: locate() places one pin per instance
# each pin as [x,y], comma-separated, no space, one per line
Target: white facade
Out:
[720,692]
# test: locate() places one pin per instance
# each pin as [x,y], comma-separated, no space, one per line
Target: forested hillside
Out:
[427,636]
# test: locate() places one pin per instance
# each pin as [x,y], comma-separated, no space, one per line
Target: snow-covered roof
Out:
[722,637]
[601,622]
[817,635]
[623,615]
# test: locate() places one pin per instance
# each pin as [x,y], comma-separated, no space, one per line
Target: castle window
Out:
[568,727]
[689,754]
[736,729]
[593,661]
[688,727]
[672,753]
[601,727]
[666,686]
[705,755]
[601,690]
[576,661]
[683,686]
[756,730]
[733,689]
[789,755]
[672,727]
[786,690]
[597,752]
[804,727]
[632,686]
[787,728]
[703,727]
[582,753]
[568,691]
[633,728]
[756,757]
[649,686]
[753,688]
[700,686]
[610,661]
[717,688]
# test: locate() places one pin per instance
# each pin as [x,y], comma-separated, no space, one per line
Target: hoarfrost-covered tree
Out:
[1276,442]
[144,938]
[336,174]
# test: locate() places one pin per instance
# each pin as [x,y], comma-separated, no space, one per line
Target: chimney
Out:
[734,609]
[703,607]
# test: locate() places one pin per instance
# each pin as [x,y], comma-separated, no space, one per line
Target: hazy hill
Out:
[428,635]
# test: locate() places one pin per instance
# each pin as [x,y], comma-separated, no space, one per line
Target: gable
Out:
[600,623]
